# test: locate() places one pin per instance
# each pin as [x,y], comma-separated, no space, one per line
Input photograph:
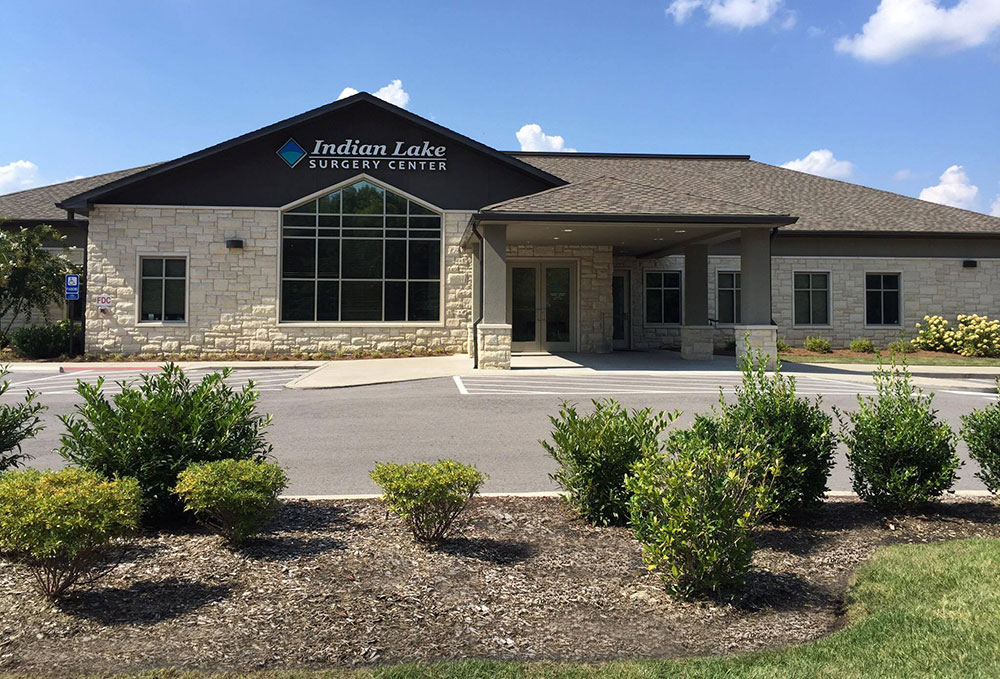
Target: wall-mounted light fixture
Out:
[969,263]
[234,244]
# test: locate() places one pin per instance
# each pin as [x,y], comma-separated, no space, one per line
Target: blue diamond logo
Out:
[291,152]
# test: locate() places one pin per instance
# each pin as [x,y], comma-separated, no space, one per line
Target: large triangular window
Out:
[360,254]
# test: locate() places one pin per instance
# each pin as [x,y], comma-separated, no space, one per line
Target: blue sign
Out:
[72,286]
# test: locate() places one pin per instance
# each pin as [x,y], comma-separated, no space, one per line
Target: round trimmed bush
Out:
[61,525]
[862,345]
[232,497]
[428,497]
[819,345]
[981,431]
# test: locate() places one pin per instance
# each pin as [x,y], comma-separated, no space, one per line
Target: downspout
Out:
[770,288]
[475,323]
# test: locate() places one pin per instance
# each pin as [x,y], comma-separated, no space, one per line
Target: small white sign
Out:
[104,301]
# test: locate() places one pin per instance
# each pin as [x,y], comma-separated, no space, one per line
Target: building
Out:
[361,225]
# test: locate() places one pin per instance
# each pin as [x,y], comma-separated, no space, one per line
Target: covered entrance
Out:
[541,305]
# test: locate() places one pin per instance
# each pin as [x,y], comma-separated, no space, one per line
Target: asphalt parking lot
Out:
[329,439]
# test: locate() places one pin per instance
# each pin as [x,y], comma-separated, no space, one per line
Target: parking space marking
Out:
[65,383]
[573,385]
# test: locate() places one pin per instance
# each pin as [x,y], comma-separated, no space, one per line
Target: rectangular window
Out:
[162,289]
[728,297]
[882,299]
[663,296]
[812,298]
[362,253]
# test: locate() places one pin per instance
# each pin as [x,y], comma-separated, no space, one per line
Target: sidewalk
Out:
[338,374]
[111,366]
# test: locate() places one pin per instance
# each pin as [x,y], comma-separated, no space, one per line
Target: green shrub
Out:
[981,431]
[428,497]
[900,453]
[819,345]
[798,430]
[900,346]
[232,497]
[782,346]
[47,341]
[18,422]
[862,345]
[693,509]
[155,429]
[596,451]
[61,525]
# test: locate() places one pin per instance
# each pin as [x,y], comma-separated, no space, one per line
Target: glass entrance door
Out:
[540,299]
[621,300]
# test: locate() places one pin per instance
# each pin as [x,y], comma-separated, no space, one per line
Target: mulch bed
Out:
[341,583]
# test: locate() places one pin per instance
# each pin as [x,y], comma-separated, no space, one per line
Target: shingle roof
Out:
[820,204]
[40,203]
[613,195]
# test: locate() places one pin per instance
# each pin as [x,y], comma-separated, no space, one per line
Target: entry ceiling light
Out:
[680,231]
[567,230]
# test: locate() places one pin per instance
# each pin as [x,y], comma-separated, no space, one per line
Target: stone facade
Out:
[757,338]
[697,342]
[930,285]
[233,294]
[494,346]
[595,264]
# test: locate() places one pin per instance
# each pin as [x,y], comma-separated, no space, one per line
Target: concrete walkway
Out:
[338,374]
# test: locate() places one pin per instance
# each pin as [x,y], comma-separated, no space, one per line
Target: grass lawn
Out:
[871,359]
[915,611]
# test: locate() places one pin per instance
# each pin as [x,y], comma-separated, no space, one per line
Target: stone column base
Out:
[471,344]
[762,338]
[697,342]
[494,346]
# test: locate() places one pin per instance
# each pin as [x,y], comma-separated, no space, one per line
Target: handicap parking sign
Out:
[72,286]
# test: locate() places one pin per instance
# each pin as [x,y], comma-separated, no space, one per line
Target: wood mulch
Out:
[341,583]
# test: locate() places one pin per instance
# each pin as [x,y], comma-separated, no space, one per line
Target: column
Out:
[697,341]
[756,333]
[494,330]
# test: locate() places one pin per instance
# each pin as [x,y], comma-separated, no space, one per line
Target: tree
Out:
[31,276]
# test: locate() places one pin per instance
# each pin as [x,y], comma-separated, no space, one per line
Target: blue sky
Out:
[899,92]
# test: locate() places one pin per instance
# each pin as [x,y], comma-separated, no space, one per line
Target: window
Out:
[162,289]
[663,297]
[812,298]
[728,297]
[882,299]
[360,254]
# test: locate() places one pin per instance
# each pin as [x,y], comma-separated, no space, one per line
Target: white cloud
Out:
[737,14]
[995,208]
[18,175]
[392,93]
[954,189]
[903,174]
[532,138]
[899,28]
[814,31]
[821,162]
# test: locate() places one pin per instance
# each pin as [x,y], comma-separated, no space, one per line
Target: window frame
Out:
[138,288]
[442,285]
[829,298]
[645,294]
[899,293]
[737,312]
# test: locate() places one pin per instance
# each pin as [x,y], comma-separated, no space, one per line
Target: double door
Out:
[541,306]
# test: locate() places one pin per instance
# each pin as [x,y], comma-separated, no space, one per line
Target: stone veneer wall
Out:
[929,286]
[233,295]
[595,264]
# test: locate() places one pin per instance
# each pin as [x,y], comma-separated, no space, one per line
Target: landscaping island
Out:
[338,584]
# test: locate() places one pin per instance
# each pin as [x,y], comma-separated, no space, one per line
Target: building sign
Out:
[104,301]
[355,154]
[72,287]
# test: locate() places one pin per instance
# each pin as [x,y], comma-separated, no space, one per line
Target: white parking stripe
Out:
[66,383]
[617,383]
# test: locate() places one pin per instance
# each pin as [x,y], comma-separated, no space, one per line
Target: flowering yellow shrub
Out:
[975,335]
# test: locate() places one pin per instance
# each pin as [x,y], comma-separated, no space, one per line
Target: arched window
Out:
[361,253]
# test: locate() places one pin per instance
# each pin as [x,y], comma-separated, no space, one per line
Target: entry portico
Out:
[546,266]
